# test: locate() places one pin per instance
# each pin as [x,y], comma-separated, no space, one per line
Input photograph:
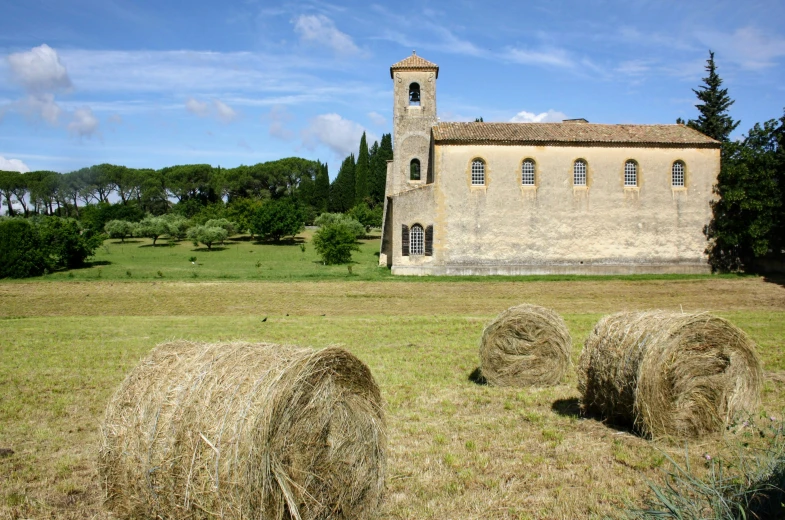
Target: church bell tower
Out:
[414,113]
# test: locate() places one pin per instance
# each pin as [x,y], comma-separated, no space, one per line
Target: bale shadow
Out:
[477,378]
[572,408]
[568,407]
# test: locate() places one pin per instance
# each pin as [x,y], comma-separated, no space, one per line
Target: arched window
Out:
[414,94]
[527,173]
[677,175]
[414,170]
[417,240]
[630,173]
[478,172]
[579,173]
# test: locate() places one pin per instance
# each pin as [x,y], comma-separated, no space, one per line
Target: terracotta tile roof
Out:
[414,62]
[569,133]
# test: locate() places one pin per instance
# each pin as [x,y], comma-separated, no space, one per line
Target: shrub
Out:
[277,219]
[335,243]
[152,227]
[368,217]
[206,235]
[65,242]
[178,225]
[326,219]
[229,226]
[119,229]
[21,254]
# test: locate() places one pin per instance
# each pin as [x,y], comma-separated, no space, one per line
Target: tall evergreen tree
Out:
[322,189]
[378,178]
[342,188]
[362,172]
[713,120]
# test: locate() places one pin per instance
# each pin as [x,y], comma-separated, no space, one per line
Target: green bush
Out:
[21,254]
[229,226]
[178,225]
[207,235]
[96,216]
[65,242]
[335,243]
[277,219]
[152,227]
[328,219]
[368,217]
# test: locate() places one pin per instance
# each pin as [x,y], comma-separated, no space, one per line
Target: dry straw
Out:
[244,431]
[669,373]
[526,345]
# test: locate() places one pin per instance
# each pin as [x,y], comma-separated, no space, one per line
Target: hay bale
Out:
[669,373]
[525,345]
[244,431]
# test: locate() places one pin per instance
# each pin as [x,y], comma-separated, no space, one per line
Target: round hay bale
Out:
[525,345]
[244,430]
[669,373]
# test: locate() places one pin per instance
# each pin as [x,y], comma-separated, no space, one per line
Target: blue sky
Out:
[156,83]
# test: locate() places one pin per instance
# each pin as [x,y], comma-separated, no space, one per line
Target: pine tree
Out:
[378,178]
[322,188]
[713,120]
[362,172]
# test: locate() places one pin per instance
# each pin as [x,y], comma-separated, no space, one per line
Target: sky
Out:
[154,83]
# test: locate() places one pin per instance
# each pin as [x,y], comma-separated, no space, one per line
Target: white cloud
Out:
[339,134]
[748,47]
[320,30]
[551,57]
[40,105]
[39,70]
[224,112]
[279,117]
[377,119]
[83,123]
[551,116]
[216,108]
[13,165]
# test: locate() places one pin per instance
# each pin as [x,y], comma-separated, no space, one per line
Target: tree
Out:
[119,229]
[321,189]
[177,225]
[65,242]
[378,179]
[342,188]
[335,243]
[242,211]
[713,120]
[750,208]
[229,226]
[329,219]
[21,252]
[277,219]
[368,217]
[152,227]
[362,172]
[8,183]
[207,235]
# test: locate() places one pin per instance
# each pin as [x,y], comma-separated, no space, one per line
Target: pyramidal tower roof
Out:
[414,62]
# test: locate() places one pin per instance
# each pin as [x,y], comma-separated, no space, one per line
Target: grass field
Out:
[457,450]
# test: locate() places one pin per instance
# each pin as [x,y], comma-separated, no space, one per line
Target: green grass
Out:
[241,258]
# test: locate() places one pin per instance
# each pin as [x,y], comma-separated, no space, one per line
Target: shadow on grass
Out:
[123,242]
[572,408]
[205,250]
[567,407]
[283,242]
[778,279]
[477,378]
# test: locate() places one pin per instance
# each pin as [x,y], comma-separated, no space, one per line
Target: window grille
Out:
[414,170]
[677,178]
[579,173]
[527,173]
[478,173]
[630,173]
[416,240]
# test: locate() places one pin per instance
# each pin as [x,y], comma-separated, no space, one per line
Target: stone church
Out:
[540,198]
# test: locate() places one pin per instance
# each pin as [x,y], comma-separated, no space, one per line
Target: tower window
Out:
[527,173]
[417,240]
[478,172]
[414,95]
[579,173]
[677,175]
[414,170]
[630,173]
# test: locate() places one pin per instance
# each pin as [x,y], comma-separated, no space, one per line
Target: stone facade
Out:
[505,227]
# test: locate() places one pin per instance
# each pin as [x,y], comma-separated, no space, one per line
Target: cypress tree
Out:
[362,172]
[342,188]
[378,178]
[713,120]
[322,188]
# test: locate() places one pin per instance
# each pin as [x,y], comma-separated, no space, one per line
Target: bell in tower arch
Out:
[414,94]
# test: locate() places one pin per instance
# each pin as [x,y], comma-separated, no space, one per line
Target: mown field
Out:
[457,450]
